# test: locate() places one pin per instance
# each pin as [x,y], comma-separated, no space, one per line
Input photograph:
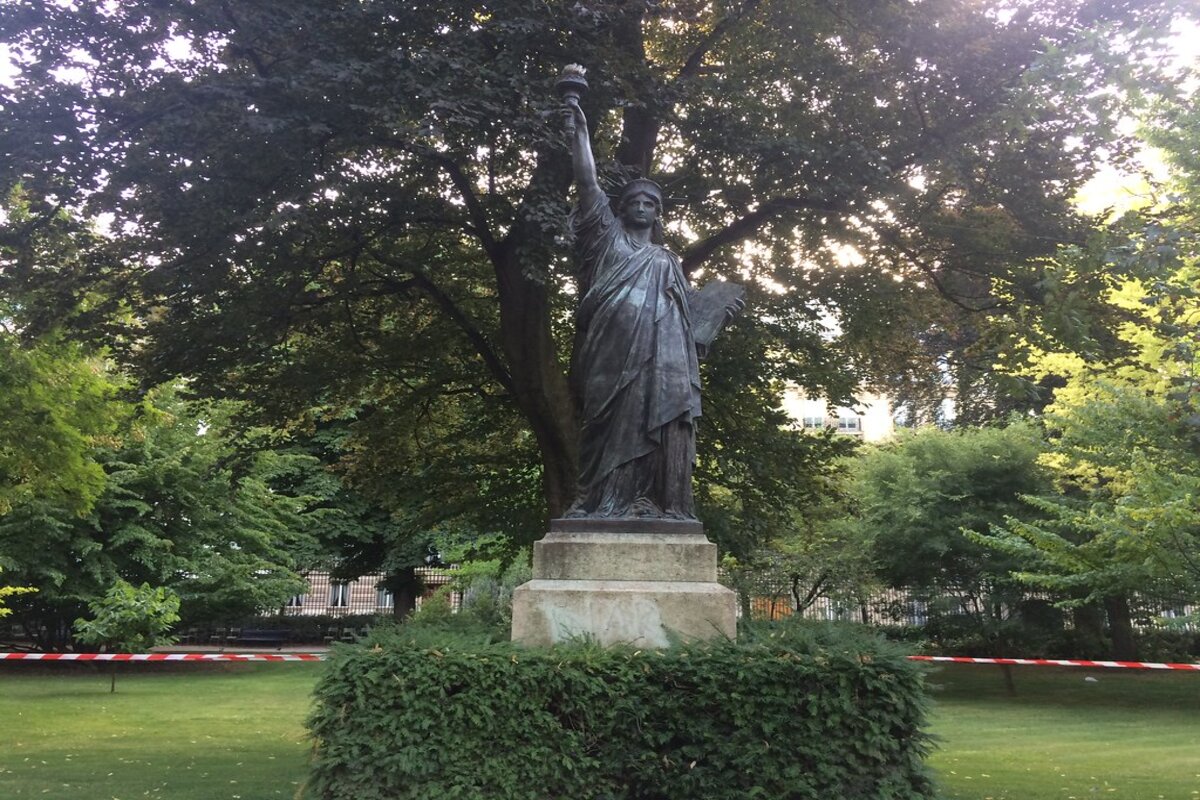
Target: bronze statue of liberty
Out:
[636,364]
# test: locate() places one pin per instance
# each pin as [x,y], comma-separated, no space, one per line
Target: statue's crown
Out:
[640,186]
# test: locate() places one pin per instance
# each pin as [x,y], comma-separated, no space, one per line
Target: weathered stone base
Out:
[636,613]
[644,583]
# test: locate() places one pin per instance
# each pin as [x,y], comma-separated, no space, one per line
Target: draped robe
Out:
[638,373]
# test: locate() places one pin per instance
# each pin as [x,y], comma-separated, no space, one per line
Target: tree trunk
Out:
[1120,624]
[1010,685]
[540,384]
[1089,629]
[542,391]
[405,586]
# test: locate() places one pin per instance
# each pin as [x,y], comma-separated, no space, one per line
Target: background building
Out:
[332,598]
[870,418]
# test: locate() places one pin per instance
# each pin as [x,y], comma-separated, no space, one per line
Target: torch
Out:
[570,87]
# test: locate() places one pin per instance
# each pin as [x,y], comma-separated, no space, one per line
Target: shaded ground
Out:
[195,732]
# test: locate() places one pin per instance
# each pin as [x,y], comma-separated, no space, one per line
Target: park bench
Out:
[264,636]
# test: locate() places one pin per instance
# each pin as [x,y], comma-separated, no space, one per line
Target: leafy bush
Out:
[487,593]
[1166,644]
[130,619]
[785,713]
[1020,638]
[309,629]
[438,623]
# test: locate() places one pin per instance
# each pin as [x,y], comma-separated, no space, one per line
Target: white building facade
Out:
[869,419]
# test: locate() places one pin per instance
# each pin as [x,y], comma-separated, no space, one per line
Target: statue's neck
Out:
[640,235]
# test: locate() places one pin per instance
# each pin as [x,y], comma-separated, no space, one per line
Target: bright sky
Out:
[8,70]
[1122,191]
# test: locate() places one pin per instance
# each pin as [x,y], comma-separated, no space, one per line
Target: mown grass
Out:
[237,731]
[200,733]
[1123,734]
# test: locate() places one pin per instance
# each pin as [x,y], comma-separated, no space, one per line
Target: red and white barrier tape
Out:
[162,656]
[1057,662]
[1037,662]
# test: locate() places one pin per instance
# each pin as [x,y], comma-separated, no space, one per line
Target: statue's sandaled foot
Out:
[645,508]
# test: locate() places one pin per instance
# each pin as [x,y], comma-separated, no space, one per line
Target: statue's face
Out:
[639,211]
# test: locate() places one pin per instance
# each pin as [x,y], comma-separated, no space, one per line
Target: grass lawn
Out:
[1126,734]
[236,731]
[219,731]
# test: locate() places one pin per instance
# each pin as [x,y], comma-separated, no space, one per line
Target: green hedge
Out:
[783,714]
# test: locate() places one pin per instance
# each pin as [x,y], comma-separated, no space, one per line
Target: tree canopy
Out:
[1124,436]
[185,503]
[356,211]
[916,495]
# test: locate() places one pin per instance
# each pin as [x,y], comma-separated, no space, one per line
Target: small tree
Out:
[1124,438]
[9,591]
[129,619]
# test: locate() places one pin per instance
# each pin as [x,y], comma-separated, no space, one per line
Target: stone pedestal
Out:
[639,582]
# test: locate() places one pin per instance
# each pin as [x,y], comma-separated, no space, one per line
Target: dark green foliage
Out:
[917,494]
[185,504]
[359,207]
[783,714]
[306,629]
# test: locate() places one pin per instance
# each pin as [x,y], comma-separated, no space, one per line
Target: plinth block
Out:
[607,556]
[624,525]
[636,613]
[640,582]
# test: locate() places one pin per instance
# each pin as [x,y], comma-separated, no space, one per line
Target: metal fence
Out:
[769,596]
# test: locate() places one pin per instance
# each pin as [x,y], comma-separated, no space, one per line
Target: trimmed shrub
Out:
[785,713]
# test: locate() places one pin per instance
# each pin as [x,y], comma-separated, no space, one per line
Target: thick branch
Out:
[260,67]
[691,67]
[463,184]
[813,593]
[482,346]
[894,238]
[460,318]
[746,226]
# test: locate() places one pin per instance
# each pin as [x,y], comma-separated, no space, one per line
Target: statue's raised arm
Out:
[583,161]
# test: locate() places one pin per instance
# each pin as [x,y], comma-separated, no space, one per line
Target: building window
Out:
[849,425]
[339,595]
[814,422]
[296,600]
[385,599]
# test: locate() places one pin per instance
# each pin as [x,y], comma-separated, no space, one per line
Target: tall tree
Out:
[185,505]
[1125,429]
[1124,441]
[361,204]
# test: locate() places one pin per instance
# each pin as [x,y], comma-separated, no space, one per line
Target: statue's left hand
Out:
[734,308]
